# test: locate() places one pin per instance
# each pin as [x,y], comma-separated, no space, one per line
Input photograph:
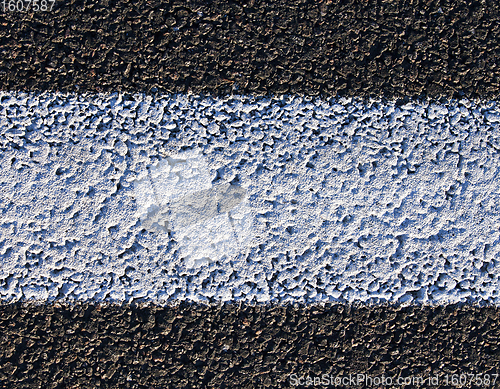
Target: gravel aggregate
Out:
[240,346]
[393,48]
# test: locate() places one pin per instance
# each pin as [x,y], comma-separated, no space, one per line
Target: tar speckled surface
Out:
[395,48]
[88,346]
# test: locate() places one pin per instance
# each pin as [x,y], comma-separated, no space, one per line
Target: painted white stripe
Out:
[209,224]
[342,200]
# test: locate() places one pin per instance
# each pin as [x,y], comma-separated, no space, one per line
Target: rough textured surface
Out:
[368,201]
[228,346]
[395,48]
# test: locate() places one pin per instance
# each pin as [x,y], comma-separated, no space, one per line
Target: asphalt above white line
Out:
[341,200]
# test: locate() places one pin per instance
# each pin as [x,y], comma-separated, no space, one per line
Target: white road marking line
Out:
[346,200]
[210,223]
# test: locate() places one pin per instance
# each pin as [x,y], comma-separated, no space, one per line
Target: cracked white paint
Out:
[211,224]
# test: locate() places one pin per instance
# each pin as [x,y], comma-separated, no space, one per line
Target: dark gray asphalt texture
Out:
[239,346]
[356,48]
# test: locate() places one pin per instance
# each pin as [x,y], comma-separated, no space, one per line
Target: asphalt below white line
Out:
[347,200]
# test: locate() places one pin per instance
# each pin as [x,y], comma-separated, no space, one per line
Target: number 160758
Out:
[27,5]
